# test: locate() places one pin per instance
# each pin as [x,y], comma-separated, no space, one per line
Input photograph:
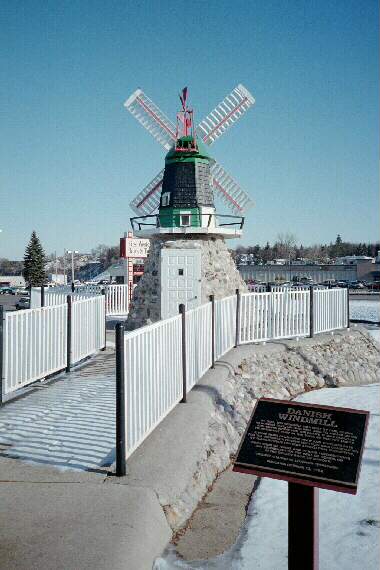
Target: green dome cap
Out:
[183,156]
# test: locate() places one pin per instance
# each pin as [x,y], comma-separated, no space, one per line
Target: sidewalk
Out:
[57,446]
[62,507]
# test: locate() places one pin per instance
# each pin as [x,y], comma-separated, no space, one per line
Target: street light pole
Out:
[64,266]
[72,263]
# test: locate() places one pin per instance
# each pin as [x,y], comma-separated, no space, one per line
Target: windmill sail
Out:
[229,190]
[212,127]
[147,201]
[225,114]
[152,118]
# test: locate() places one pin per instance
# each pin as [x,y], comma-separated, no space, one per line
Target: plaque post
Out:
[303,527]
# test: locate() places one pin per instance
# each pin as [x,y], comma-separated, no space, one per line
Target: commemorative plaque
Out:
[314,445]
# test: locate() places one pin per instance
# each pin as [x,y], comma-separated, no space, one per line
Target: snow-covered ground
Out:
[366,310]
[349,525]
[69,424]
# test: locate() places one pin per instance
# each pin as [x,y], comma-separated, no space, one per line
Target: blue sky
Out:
[73,157]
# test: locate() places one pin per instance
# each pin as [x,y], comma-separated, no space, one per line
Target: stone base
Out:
[220,276]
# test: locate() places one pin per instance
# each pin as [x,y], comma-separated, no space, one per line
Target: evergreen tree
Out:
[34,262]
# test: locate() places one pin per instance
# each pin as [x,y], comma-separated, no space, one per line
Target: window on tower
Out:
[185,219]
[165,199]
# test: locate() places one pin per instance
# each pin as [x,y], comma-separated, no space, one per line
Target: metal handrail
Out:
[157,218]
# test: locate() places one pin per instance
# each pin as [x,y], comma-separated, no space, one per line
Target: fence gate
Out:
[180,280]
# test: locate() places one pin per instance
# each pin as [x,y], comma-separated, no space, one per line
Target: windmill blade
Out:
[148,200]
[152,118]
[225,114]
[229,190]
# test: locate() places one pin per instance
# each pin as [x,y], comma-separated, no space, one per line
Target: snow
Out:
[347,540]
[349,536]
[69,424]
[366,310]
[375,333]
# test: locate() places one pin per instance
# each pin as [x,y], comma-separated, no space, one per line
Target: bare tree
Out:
[286,245]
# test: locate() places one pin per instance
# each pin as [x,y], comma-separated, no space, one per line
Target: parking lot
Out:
[9,301]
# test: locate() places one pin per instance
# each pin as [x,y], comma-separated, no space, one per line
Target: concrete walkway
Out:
[57,447]
[61,505]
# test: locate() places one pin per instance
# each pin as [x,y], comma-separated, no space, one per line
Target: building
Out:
[12,281]
[57,278]
[296,272]
[353,260]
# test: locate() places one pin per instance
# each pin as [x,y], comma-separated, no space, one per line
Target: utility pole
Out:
[64,266]
[56,267]
[73,252]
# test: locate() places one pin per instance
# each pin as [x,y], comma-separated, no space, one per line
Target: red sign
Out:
[134,247]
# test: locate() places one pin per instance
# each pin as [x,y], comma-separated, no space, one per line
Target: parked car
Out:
[355,285]
[7,291]
[23,303]
[21,291]
[374,286]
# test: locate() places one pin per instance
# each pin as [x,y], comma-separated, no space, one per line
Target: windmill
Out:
[211,128]
[188,259]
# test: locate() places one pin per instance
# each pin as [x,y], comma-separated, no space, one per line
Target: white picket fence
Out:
[117,299]
[198,343]
[154,356]
[87,327]
[153,373]
[117,296]
[34,345]
[270,316]
[330,309]
[35,340]
[225,325]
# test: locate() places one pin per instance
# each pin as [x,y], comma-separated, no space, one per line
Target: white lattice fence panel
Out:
[153,377]
[198,343]
[88,327]
[34,345]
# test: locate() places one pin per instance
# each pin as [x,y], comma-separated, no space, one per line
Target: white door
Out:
[180,280]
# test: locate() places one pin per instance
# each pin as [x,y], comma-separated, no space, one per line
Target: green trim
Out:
[171,217]
[201,155]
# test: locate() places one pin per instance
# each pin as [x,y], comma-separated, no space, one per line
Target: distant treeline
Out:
[106,255]
[286,247]
[8,267]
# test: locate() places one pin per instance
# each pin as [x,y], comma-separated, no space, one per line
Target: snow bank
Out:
[281,371]
[365,310]
[349,536]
